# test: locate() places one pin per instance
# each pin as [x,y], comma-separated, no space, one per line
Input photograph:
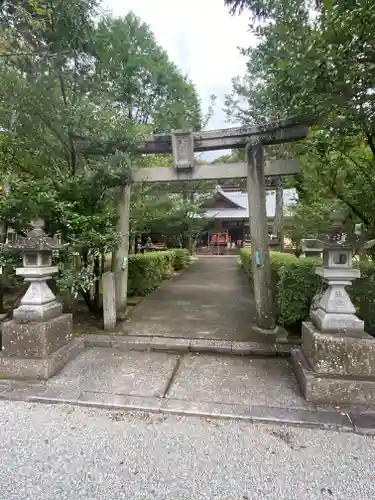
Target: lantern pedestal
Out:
[335,369]
[336,312]
[39,302]
[38,342]
[38,350]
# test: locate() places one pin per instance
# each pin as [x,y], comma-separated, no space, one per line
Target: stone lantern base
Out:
[37,350]
[335,369]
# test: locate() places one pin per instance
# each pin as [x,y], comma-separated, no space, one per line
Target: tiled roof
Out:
[241,200]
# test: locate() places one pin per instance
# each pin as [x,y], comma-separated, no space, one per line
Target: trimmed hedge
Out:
[295,284]
[149,270]
[181,258]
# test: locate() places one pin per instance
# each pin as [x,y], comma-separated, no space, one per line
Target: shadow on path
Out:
[211,299]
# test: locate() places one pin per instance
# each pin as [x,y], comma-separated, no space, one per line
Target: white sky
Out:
[200,37]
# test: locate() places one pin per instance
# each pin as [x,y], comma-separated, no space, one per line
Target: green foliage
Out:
[139,76]
[315,60]
[79,92]
[76,281]
[173,210]
[149,270]
[362,293]
[9,259]
[295,284]
[181,258]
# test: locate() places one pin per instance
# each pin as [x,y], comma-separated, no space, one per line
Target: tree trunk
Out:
[3,237]
[91,304]
[132,244]
[362,255]
[298,250]
[120,257]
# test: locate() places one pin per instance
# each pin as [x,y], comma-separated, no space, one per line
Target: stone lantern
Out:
[336,362]
[38,341]
[39,303]
[335,312]
[312,247]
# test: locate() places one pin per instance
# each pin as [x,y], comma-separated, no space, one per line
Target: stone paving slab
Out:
[237,380]
[212,386]
[251,348]
[131,343]
[260,413]
[327,419]
[210,345]
[54,394]
[96,399]
[118,372]
[119,401]
[255,413]
[97,340]
[363,423]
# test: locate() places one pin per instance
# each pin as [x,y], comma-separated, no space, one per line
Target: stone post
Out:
[121,255]
[336,362]
[38,341]
[278,223]
[259,236]
[109,301]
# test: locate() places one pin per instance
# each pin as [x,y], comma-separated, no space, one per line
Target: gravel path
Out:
[61,452]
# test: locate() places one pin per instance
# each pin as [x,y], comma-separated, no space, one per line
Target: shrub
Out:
[362,293]
[149,270]
[295,283]
[181,258]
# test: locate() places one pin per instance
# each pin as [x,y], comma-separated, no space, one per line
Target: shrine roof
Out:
[239,201]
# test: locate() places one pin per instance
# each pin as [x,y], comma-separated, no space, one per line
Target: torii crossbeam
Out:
[183,145]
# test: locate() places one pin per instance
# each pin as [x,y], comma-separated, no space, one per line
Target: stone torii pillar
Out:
[261,267]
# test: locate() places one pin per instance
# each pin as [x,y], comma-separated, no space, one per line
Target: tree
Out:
[138,75]
[66,80]
[51,97]
[315,60]
[150,91]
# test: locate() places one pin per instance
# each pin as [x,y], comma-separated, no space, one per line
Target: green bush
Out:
[362,293]
[149,270]
[181,258]
[295,283]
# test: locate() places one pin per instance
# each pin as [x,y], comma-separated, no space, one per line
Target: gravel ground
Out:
[62,452]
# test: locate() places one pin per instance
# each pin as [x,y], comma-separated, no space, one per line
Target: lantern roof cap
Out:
[36,240]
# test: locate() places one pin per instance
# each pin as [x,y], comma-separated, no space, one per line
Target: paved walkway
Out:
[211,299]
[254,389]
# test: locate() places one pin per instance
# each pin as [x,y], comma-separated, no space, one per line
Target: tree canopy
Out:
[315,60]
[69,72]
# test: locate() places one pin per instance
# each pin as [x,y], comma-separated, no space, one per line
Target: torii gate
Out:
[183,145]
